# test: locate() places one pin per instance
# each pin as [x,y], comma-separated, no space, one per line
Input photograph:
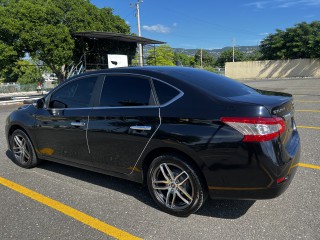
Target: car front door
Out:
[61,125]
[122,124]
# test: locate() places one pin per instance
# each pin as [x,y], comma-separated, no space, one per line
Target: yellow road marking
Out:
[306,166]
[306,101]
[309,127]
[71,212]
[316,111]
[292,162]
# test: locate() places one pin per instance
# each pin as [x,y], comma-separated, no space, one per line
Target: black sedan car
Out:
[186,133]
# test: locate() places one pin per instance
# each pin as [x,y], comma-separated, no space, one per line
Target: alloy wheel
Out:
[172,186]
[21,149]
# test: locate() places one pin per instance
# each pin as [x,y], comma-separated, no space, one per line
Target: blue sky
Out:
[213,24]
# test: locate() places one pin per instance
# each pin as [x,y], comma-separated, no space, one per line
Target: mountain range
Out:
[214,52]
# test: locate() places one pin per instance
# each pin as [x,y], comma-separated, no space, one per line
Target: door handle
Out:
[78,124]
[141,128]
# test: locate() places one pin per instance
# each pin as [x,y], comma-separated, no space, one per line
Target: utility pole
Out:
[201,57]
[233,44]
[139,31]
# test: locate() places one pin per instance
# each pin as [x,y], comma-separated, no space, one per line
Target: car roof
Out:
[205,81]
[145,69]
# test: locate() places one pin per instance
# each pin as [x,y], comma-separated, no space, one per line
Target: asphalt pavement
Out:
[128,207]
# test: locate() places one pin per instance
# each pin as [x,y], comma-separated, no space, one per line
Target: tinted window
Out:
[212,83]
[75,94]
[165,92]
[126,91]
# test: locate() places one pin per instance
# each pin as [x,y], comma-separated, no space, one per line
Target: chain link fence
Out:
[16,87]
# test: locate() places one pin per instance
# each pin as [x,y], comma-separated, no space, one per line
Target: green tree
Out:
[300,41]
[8,57]
[43,29]
[26,72]
[161,56]
[227,56]
[185,60]
[255,55]
[207,59]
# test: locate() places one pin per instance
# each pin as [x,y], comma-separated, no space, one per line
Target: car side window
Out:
[165,92]
[76,94]
[124,90]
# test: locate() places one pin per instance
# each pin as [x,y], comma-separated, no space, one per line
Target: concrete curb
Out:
[16,101]
[16,98]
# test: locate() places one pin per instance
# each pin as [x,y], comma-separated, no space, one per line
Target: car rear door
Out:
[122,123]
[61,126]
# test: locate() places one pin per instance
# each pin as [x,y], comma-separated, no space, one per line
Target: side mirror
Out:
[57,104]
[39,103]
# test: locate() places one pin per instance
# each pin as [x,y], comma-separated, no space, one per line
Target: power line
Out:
[132,11]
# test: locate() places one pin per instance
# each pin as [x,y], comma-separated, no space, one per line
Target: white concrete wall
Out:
[274,69]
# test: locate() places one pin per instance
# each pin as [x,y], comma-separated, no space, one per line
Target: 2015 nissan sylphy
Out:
[186,133]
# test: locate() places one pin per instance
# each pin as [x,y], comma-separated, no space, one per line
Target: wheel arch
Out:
[172,151]
[15,127]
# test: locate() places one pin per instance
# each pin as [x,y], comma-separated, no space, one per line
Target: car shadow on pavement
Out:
[226,209]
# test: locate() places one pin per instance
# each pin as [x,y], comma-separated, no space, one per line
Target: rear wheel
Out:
[22,149]
[175,185]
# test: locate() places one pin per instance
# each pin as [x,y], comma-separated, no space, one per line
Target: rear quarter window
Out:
[165,92]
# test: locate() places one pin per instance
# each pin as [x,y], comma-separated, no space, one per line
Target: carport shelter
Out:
[92,48]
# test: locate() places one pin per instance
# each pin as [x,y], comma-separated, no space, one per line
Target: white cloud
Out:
[175,24]
[292,3]
[283,3]
[258,4]
[159,28]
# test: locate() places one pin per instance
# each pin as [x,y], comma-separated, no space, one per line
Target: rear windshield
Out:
[213,83]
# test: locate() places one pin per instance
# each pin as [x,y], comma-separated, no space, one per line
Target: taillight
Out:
[257,129]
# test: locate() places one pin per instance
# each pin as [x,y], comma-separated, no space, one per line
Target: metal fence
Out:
[16,87]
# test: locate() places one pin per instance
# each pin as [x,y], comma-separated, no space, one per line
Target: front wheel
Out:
[175,185]
[22,149]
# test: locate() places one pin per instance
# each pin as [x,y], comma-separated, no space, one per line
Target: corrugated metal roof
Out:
[117,37]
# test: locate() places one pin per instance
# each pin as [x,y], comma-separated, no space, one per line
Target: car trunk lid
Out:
[278,104]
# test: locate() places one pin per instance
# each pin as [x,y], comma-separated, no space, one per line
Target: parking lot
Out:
[54,201]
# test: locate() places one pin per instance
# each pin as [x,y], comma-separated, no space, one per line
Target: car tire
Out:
[175,185]
[22,150]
